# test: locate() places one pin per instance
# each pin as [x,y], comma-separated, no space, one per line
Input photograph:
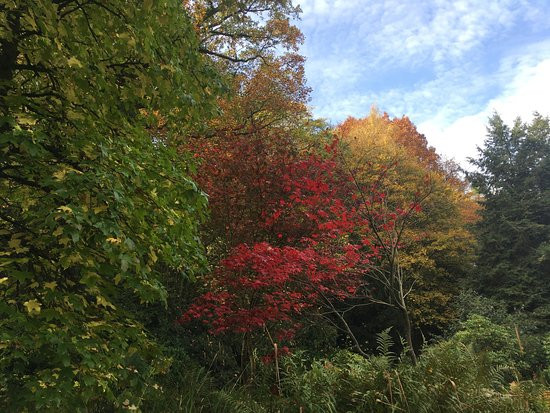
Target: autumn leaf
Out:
[74,62]
[33,307]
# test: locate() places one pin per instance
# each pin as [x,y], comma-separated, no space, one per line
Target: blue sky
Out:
[446,64]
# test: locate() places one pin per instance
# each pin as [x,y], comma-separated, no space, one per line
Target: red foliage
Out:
[264,285]
[306,259]
[241,174]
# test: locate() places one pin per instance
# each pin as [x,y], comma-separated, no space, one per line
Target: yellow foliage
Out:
[392,157]
[32,306]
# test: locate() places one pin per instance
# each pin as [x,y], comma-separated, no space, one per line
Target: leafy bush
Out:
[457,375]
[546,346]
[495,341]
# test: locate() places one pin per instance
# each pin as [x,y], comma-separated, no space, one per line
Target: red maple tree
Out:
[315,240]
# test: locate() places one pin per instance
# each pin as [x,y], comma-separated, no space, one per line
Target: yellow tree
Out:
[428,247]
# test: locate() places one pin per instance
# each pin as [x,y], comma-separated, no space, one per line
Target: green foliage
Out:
[385,343]
[496,341]
[513,176]
[469,303]
[521,328]
[190,389]
[312,385]
[92,205]
[449,377]
[546,348]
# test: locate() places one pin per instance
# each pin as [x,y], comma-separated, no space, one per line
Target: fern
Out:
[234,402]
[384,344]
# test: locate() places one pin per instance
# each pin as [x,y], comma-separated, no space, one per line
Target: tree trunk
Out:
[350,334]
[408,333]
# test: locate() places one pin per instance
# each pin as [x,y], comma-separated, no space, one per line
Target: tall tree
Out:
[421,255]
[92,206]
[302,253]
[513,176]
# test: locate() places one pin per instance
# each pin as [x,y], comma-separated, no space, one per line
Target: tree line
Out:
[179,233]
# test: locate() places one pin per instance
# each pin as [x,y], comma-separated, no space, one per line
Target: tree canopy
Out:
[513,178]
[93,205]
[179,233]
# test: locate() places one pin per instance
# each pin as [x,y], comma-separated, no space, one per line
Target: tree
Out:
[93,207]
[429,244]
[303,252]
[513,177]
[272,95]
[242,151]
[239,32]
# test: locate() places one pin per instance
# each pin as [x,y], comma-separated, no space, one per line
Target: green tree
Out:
[93,205]
[513,177]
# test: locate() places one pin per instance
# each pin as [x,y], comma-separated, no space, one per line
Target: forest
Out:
[180,234]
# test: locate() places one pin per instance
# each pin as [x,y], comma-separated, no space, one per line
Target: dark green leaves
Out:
[513,177]
[92,202]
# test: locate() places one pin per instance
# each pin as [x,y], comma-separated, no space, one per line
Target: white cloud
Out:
[395,32]
[448,95]
[321,10]
[439,30]
[527,92]
[446,64]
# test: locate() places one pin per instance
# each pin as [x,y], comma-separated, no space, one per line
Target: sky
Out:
[446,64]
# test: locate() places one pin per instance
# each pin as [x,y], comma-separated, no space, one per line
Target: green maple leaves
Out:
[93,204]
